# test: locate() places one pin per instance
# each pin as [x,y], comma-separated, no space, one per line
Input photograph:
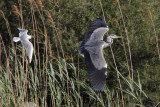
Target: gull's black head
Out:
[98,23]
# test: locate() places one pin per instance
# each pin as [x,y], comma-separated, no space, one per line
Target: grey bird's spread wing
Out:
[96,54]
[97,77]
[29,48]
[94,25]
[96,65]
[94,59]
[97,34]
[93,53]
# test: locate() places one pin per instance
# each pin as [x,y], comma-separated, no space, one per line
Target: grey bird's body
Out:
[92,48]
[24,38]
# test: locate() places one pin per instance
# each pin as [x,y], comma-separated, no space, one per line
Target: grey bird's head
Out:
[96,24]
[111,37]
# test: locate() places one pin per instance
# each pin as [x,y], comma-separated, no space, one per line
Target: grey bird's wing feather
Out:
[98,34]
[29,48]
[97,77]
[96,65]
[96,55]
[94,25]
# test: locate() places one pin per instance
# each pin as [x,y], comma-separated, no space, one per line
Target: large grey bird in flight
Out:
[92,48]
[24,38]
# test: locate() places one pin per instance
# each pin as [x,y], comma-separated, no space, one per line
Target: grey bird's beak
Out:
[118,36]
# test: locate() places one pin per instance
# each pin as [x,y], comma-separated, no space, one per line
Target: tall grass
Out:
[149,15]
[15,90]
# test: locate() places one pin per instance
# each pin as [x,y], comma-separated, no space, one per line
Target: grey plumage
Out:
[94,25]
[24,38]
[92,48]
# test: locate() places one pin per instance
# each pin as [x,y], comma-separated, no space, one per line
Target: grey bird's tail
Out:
[81,47]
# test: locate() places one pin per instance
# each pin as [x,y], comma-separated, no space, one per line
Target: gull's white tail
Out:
[16,39]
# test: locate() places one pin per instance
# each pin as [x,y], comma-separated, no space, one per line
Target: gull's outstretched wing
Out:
[16,39]
[29,48]
[22,32]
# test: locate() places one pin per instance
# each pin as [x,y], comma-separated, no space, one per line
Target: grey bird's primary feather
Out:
[24,38]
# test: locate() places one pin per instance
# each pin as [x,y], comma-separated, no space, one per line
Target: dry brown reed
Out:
[124,47]
[149,14]
[36,40]
[30,1]
[102,9]
[40,3]
[10,34]
[35,5]
[49,16]
[16,10]
[7,65]
[128,42]
[116,0]
[8,27]
[58,40]
[115,21]
[18,13]
[3,47]
[120,86]
[6,20]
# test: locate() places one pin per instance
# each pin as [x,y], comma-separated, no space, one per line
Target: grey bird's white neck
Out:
[108,42]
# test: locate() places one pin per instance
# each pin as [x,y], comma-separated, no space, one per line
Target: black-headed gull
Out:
[24,38]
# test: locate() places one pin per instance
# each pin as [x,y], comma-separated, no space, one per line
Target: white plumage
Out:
[24,38]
